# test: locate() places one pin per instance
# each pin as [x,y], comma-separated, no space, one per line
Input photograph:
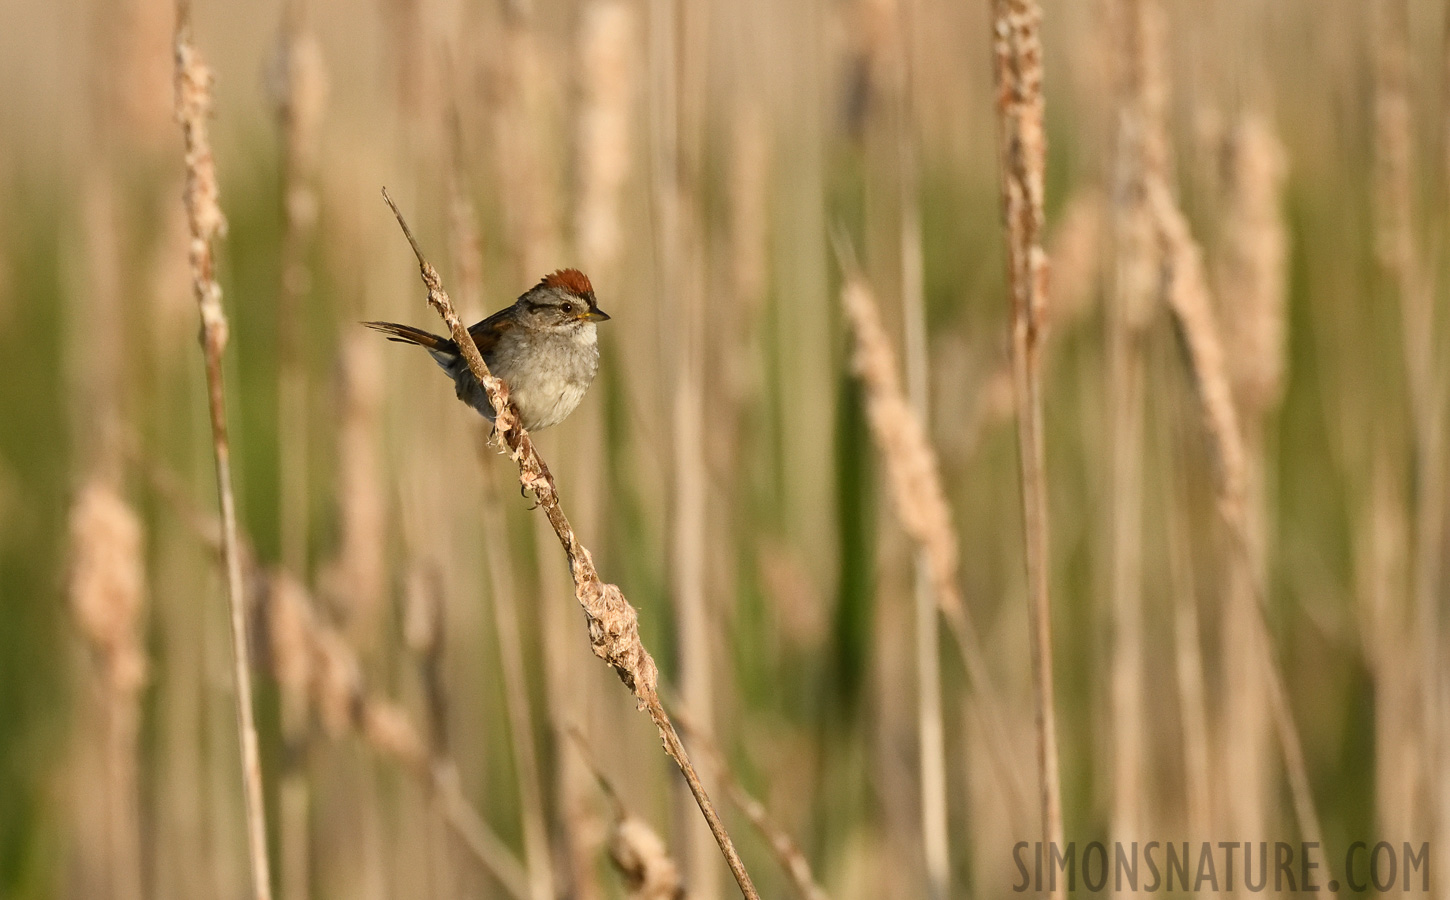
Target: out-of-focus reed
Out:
[1022,141]
[204,216]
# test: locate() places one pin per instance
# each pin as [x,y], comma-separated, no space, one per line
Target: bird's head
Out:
[563,302]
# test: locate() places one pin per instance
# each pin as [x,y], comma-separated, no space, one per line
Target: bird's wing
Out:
[486,334]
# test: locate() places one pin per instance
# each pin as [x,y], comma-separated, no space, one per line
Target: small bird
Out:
[545,347]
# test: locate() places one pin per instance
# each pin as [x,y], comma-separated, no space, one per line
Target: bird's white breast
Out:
[550,375]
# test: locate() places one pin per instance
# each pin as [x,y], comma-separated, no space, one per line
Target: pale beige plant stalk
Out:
[1250,276]
[206,223]
[678,52]
[1188,299]
[465,242]
[1386,625]
[613,623]
[782,845]
[918,496]
[298,85]
[1075,247]
[138,68]
[503,593]
[1402,269]
[1250,271]
[355,581]
[108,601]
[931,749]
[1140,156]
[523,78]
[607,81]
[425,625]
[1188,672]
[1017,54]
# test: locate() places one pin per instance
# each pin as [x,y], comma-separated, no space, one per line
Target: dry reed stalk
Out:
[1075,247]
[108,600]
[537,852]
[678,54]
[405,26]
[931,749]
[313,661]
[521,79]
[1188,671]
[1017,52]
[919,499]
[1187,296]
[1141,155]
[606,76]
[1251,270]
[168,285]
[1400,263]
[613,623]
[464,238]
[424,631]
[424,627]
[1250,274]
[607,83]
[99,368]
[298,85]
[689,538]
[782,845]
[353,583]
[139,71]
[356,580]
[741,366]
[749,212]
[1435,489]
[1385,624]
[206,223]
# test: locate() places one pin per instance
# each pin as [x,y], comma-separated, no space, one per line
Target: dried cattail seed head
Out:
[645,862]
[1251,264]
[107,581]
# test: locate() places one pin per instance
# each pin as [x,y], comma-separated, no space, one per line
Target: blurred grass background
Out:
[769,124]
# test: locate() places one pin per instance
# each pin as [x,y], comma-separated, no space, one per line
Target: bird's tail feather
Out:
[406,334]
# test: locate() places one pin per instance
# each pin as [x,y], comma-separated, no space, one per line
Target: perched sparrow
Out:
[545,347]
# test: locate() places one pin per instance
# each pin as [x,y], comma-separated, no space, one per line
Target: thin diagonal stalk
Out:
[787,852]
[299,88]
[613,623]
[920,501]
[516,695]
[1188,300]
[931,750]
[1017,54]
[1400,262]
[204,219]
[1140,152]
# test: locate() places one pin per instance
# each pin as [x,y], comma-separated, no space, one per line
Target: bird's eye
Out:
[568,309]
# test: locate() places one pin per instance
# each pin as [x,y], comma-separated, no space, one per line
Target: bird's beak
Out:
[596,315]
